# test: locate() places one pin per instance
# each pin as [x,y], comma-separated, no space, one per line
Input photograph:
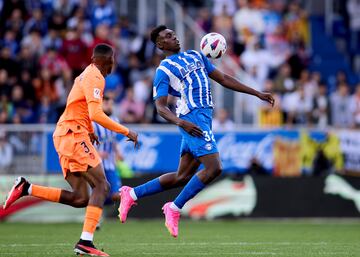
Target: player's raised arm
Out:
[233,84]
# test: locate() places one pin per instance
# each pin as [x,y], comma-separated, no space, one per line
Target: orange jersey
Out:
[88,87]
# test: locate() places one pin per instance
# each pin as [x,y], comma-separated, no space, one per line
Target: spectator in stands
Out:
[103,13]
[248,22]
[21,107]
[53,62]
[271,17]
[29,92]
[256,57]
[74,51]
[222,23]
[57,22]
[131,111]
[204,19]
[64,7]
[310,86]
[283,82]
[5,86]
[270,115]
[143,88]
[114,86]
[27,60]
[296,24]
[85,32]
[222,121]
[102,35]
[46,111]
[353,8]
[297,107]
[122,45]
[52,40]
[36,22]
[8,9]
[10,42]
[79,16]
[321,107]
[277,44]
[6,152]
[15,23]
[6,109]
[340,107]
[355,107]
[34,42]
[143,48]
[8,64]
[221,6]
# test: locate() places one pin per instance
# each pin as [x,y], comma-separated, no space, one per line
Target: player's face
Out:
[168,41]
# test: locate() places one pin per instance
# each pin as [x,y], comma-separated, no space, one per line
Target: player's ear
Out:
[159,44]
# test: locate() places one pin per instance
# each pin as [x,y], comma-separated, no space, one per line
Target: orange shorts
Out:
[76,152]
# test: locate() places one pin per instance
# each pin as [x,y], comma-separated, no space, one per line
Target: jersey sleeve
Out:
[93,86]
[161,84]
[208,65]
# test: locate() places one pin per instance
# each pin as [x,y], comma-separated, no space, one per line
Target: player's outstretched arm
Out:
[97,115]
[233,84]
[164,111]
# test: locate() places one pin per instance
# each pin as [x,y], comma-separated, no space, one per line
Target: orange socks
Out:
[47,193]
[92,218]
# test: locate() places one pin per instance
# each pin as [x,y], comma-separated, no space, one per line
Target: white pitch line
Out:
[187,244]
[34,245]
[205,254]
[229,243]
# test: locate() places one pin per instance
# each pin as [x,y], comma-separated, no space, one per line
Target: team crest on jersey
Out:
[208,146]
[97,93]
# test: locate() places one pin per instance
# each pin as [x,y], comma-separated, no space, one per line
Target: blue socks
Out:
[193,187]
[149,188]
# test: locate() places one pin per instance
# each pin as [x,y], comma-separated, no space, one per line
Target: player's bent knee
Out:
[182,179]
[80,201]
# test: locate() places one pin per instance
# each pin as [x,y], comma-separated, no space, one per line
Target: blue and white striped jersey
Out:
[107,140]
[185,75]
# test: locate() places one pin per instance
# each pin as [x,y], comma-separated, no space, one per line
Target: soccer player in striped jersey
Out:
[186,75]
[108,151]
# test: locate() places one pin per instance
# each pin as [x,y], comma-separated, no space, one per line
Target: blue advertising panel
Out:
[160,151]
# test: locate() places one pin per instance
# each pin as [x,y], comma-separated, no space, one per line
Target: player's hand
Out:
[94,139]
[133,137]
[267,97]
[191,128]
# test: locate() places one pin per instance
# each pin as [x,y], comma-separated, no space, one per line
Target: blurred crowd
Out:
[45,44]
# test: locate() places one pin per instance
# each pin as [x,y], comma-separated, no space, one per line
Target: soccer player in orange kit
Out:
[73,139]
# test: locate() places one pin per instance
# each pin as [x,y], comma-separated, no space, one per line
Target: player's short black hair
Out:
[103,50]
[155,32]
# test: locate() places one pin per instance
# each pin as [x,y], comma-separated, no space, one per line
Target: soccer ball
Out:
[213,45]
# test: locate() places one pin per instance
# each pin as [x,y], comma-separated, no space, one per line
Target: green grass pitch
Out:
[196,238]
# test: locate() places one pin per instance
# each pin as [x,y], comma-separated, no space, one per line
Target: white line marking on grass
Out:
[228,243]
[34,245]
[183,244]
[205,254]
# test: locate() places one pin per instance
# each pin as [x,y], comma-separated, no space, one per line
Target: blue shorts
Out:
[199,146]
[114,181]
